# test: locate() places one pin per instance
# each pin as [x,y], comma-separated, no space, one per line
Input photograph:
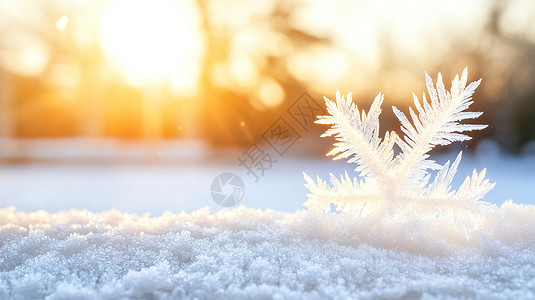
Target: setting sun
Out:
[154,42]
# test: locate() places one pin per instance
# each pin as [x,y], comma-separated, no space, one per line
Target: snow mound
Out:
[256,254]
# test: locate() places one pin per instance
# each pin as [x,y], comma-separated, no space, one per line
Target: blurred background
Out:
[137,105]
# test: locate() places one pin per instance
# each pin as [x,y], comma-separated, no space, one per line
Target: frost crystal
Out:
[399,185]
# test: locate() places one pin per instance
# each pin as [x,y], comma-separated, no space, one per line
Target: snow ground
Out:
[108,248]
[161,186]
[260,254]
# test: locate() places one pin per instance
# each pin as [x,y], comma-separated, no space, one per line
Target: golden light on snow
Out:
[154,42]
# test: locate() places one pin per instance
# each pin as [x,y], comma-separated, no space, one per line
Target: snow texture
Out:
[261,254]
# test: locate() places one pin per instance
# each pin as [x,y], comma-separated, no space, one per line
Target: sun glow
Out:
[154,42]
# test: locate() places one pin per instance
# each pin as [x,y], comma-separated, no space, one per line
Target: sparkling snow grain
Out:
[257,254]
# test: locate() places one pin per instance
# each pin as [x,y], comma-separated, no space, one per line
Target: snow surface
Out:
[161,186]
[249,253]
[262,254]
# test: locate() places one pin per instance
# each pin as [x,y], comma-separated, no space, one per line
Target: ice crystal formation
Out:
[401,184]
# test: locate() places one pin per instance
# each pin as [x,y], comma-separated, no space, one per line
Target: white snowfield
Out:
[247,253]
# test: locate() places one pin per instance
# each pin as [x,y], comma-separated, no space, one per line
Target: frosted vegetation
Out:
[399,186]
[393,233]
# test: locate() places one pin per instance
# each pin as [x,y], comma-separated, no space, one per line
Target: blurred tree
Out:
[235,112]
[513,112]
[258,57]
